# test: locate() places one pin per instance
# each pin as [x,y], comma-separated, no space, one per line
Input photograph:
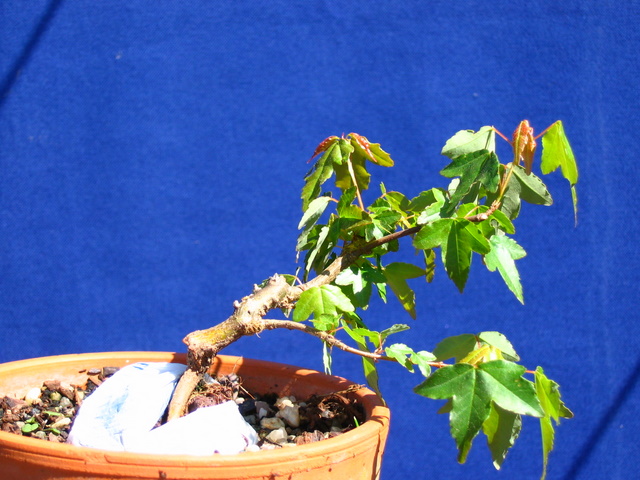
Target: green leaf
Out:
[400,352]
[549,395]
[360,278]
[370,372]
[314,212]
[426,198]
[502,429]
[511,200]
[482,354]
[457,347]
[406,357]
[473,389]
[319,173]
[374,154]
[475,167]
[344,179]
[323,299]
[364,333]
[504,252]
[31,425]
[499,341]
[308,238]
[353,279]
[397,201]
[345,208]
[503,221]
[384,220]
[470,405]
[468,141]
[422,360]
[368,364]
[396,275]
[477,241]
[532,188]
[397,328]
[318,253]
[433,234]
[326,322]
[341,152]
[557,152]
[381,157]
[509,389]
[431,213]
[403,270]
[430,263]
[457,254]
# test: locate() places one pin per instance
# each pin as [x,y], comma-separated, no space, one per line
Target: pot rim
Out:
[377,416]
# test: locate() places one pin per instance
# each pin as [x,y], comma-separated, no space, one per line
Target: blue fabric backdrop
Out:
[151,156]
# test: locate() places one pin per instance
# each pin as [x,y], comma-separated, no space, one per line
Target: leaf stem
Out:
[355,183]
[545,130]
[502,135]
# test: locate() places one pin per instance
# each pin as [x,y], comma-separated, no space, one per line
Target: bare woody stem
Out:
[331,340]
[322,335]
[248,317]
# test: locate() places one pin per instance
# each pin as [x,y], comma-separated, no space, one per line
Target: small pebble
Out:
[247,407]
[55,396]
[272,423]
[108,371]
[33,396]
[63,422]
[67,390]
[262,408]
[51,384]
[283,402]
[290,415]
[278,436]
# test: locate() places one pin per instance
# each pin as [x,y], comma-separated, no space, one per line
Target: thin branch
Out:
[480,217]
[388,238]
[350,255]
[333,341]
[326,337]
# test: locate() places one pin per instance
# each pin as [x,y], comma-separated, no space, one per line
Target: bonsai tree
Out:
[346,244]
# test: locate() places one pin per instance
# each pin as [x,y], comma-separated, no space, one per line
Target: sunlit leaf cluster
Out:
[468,220]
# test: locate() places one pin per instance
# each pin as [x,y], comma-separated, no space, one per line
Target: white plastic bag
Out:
[121,413]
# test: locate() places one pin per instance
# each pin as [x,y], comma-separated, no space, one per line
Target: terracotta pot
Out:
[354,455]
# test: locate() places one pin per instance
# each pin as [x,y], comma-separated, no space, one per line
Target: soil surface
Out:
[48,412]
